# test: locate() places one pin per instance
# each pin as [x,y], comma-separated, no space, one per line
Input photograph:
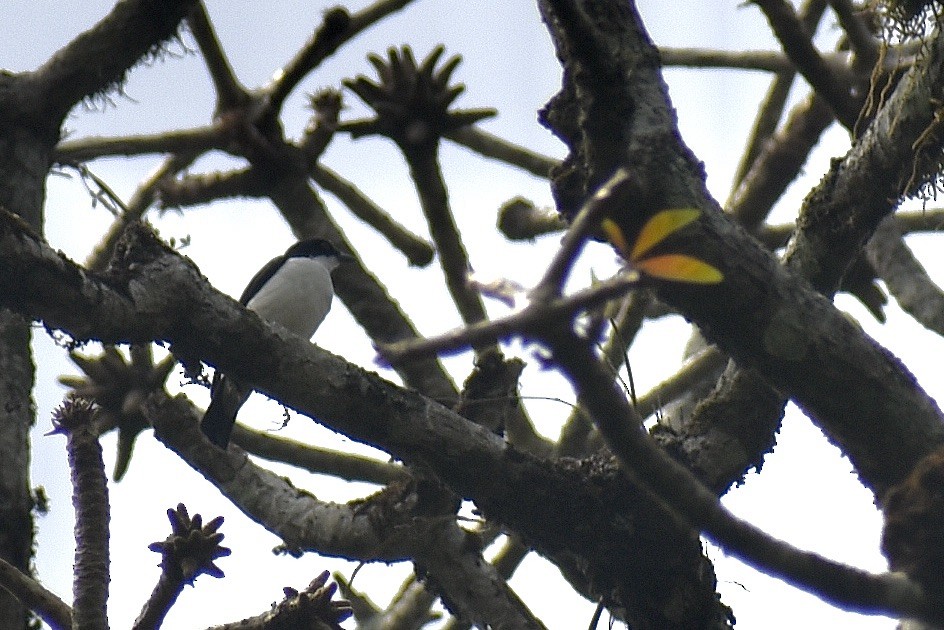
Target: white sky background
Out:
[806,494]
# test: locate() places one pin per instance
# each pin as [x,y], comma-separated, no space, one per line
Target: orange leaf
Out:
[659,226]
[679,268]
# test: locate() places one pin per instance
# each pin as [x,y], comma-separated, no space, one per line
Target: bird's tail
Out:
[220,416]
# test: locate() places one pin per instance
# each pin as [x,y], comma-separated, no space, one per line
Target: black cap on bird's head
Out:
[314,247]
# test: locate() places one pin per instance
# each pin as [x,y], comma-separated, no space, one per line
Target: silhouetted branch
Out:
[198,140]
[229,91]
[833,86]
[338,27]
[34,595]
[492,146]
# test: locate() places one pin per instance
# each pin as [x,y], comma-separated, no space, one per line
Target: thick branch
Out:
[404,521]
[761,314]
[97,60]
[652,467]
[360,531]
[165,297]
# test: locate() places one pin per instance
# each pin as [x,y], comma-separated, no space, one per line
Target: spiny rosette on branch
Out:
[119,386]
[313,607]
[192,547]
[411,100]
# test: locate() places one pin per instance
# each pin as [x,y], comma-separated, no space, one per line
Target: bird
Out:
[293,290]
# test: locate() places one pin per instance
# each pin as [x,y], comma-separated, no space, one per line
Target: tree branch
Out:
[391,526]
[301,520]
[765,60]
[229,91]
[651,467]
[761,314]
[98,59]
[200,140]
[863,42]
[335,31]
[136,207]
[162,296]
[905,276]
[43,602]
[779,162]
[833,86]
[317,460]
[416,249]
[492,146]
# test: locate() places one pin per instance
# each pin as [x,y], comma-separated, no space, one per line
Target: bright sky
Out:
[806,494]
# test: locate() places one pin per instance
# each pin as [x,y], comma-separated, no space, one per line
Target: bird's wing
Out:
[260,279]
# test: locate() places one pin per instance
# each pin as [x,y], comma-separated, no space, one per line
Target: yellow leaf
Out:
[679,268]
[615,236]
[659,226]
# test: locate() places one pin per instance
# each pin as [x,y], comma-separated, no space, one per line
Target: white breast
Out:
[298,297]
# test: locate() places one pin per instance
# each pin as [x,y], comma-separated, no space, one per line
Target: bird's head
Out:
[317,248]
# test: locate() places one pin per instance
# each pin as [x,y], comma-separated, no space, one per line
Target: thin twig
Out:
[323,461]
[586,220]
[693,371]
[537,313]
[764,60]
[229,91]
[498,148]
[140,201]
[334,30]
[199,139]
[326,40]
[418,250]
[577,428]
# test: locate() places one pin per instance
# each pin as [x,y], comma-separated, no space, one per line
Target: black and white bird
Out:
[293,290]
